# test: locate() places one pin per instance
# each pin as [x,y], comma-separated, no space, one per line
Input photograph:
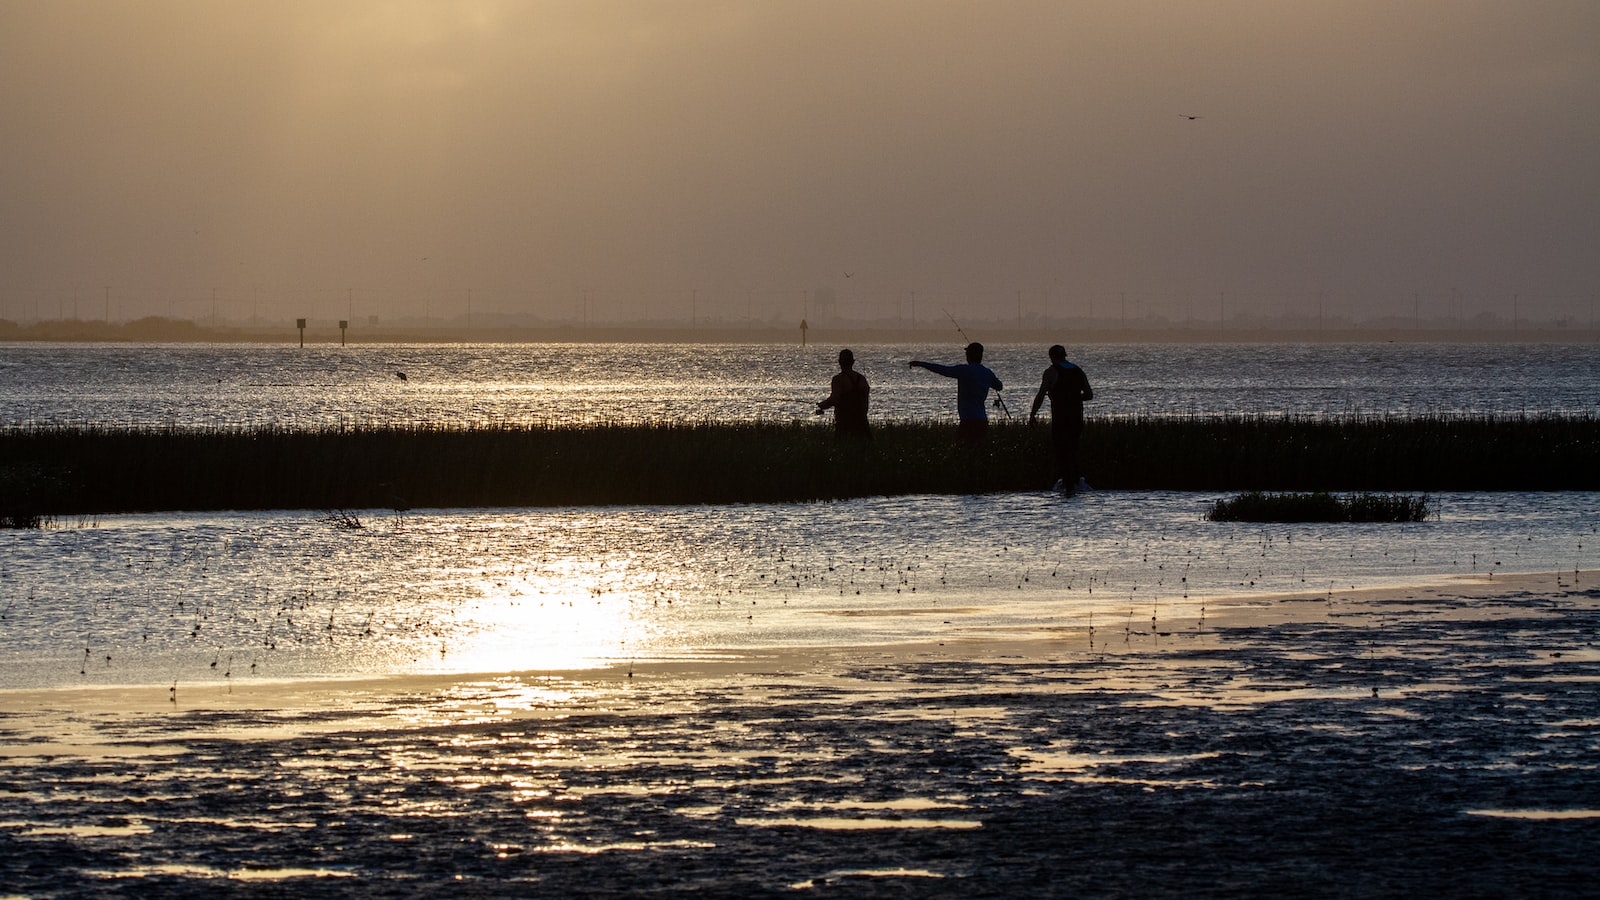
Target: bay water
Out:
[220,596]
[463,384]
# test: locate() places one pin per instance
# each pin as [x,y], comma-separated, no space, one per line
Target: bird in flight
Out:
[1187,116]
[849,274]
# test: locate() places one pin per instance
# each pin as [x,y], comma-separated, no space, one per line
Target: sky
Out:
[702,159]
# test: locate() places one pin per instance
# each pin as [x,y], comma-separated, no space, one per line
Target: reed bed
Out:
[1319,506]
[87,470]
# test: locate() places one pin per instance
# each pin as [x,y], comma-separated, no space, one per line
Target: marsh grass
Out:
[1355,453]
[29,493]
[1320,506]
[79,470]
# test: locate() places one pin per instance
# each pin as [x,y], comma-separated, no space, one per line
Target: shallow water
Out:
[292,594]
[248,385]
[1365,747]
[226,596]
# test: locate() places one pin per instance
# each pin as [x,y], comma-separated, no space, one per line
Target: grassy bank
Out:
[63,471]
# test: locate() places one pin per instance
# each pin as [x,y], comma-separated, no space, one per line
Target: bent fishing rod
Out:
[999,400]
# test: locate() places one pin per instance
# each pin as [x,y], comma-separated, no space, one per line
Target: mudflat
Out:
[1437,738]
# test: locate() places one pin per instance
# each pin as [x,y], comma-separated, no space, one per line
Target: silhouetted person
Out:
[850,393]
[973,381]
[1067,387]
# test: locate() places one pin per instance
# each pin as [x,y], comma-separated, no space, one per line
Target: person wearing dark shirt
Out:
[1067,387]
[849,397]
[973,382]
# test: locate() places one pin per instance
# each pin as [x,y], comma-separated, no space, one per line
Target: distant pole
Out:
[301,324]
[349,303]
[803,327]
[1019,310]
[343,324]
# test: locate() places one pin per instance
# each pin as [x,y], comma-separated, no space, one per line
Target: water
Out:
[246,385]
[213,597]
[224,596]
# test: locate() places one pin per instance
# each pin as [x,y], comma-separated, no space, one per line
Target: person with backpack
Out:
[1067,387]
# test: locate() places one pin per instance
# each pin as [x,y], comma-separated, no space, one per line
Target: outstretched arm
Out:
[936,368]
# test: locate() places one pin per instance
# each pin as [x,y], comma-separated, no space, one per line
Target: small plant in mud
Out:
[342,521]
[1319,506]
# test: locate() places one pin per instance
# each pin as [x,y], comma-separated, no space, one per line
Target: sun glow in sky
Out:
[287,157]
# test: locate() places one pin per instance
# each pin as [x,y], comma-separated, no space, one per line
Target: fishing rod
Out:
[959,330]
[999,400]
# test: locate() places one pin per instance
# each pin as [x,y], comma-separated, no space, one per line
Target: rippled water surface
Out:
[933,770]
[210,597]
[192,384]
[221,596]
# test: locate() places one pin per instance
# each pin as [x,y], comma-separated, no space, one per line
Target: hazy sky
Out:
[735,155]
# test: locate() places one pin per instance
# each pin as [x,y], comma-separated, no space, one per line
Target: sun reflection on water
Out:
[547,623]
[176,600]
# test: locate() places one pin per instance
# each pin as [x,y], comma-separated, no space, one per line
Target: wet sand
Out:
[1439,738]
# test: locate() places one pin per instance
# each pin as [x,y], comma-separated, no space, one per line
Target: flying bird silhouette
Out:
[1187,116]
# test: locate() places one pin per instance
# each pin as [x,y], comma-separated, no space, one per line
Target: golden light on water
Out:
[563,619]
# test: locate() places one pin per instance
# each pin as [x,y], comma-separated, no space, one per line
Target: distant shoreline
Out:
[326,332]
